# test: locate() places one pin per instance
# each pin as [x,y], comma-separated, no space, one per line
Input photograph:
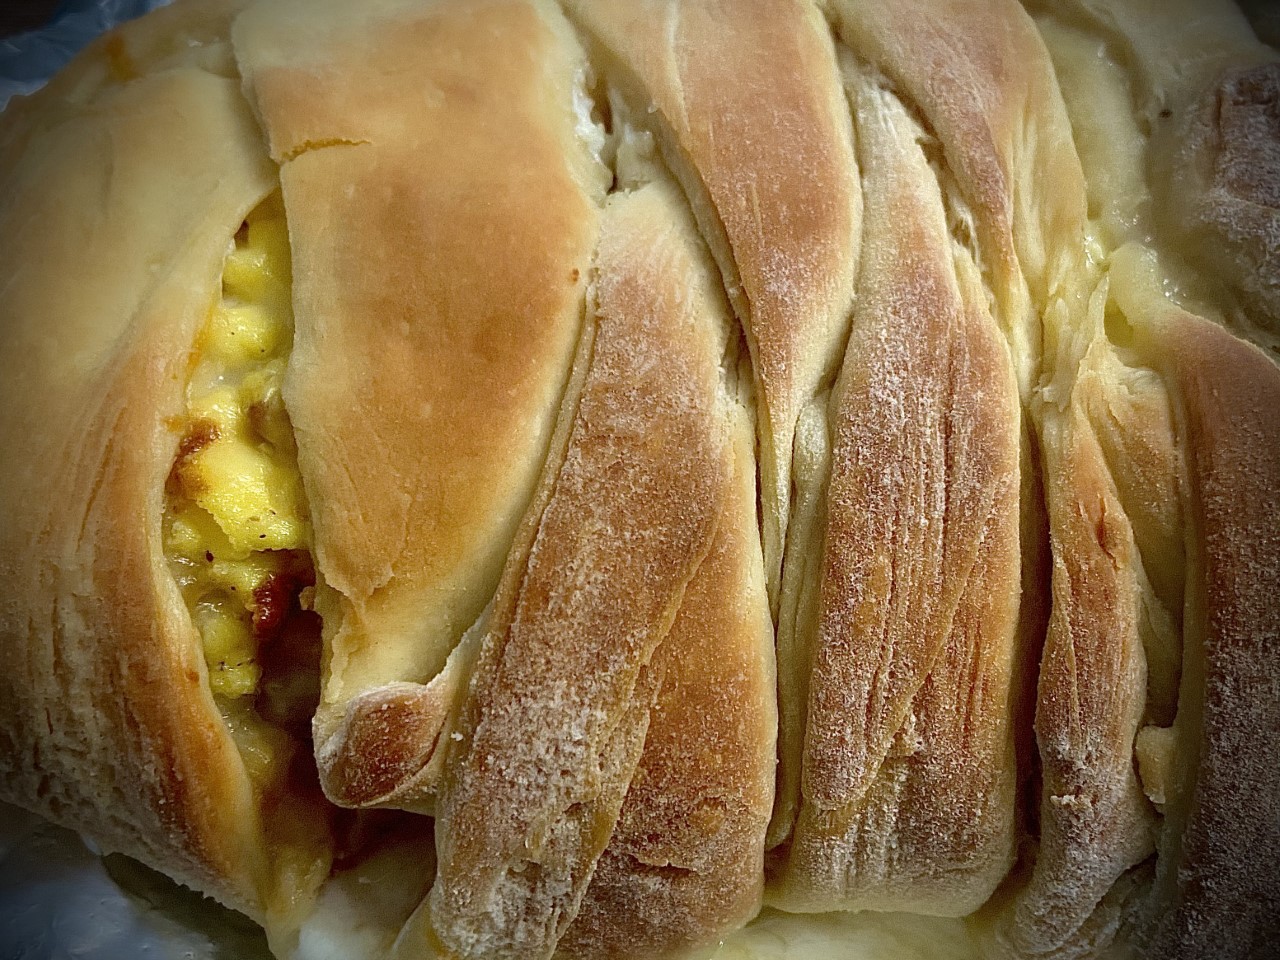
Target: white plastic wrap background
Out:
[27,60]
[61,901]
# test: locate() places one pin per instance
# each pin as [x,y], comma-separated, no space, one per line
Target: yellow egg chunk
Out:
[235,525]
[242,333]
[224,408]
[189,532]
[251,495]
[246,577]
[245,275]
[194,535]
[229,649]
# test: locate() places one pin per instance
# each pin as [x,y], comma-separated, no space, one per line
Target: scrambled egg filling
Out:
[236,531]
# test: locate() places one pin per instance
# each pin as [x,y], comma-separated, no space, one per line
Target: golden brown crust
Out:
[912,656]
[1004,139]
[440,252]
[386,738]
[108,723]
[1095,823]
[1217,890]
[1199,184]
[684,865]
[1112,661]
[1130,414]
[552,732]
[606,792]
[735,128]
[1110,667]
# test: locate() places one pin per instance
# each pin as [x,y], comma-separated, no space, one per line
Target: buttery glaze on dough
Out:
[817,454]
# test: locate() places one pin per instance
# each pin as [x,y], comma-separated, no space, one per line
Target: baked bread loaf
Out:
[549,480]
